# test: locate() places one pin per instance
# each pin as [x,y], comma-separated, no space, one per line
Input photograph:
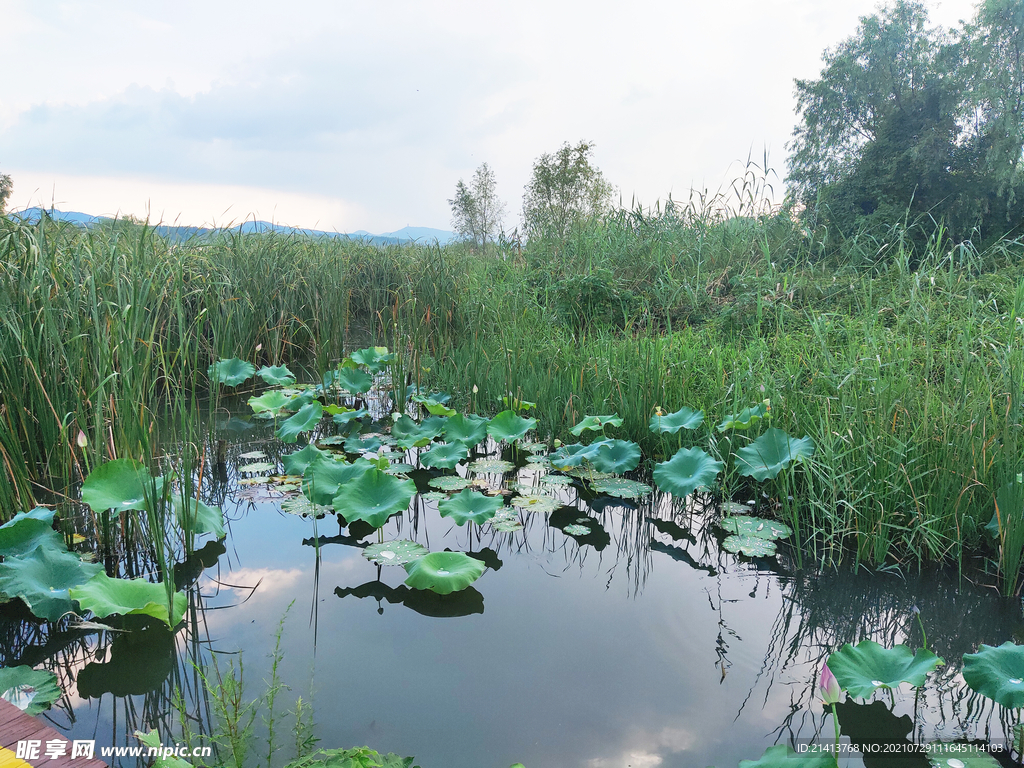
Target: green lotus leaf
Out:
[444,572]
[783,756]
[533,446]
[751,546]
[273,402]
[863,668]
[744,525]
[620,488]
[687,471]
[509,426]
[596,424]
[615,456]
[354,380]
[436,404]
[153,741]
[324,477]
[558,480]
[536,502]
[374,358]
[997,672]
[491,466]
[303,507]
[470,507]
[231,372]
[399,468]
[296,463]
[307,417]
[42,578]
[348,415]
[449,483]
[572,455]
[958,754]
[442,398]
[397,552]
[105,596]
[771,453]
[444,455]
[410,434]
[374,497]
[27,530]
[735,508]
[199,518]
[257,468]
[468,429]
[745,418]
[516,404]
[276,375]
[506,521]
[357,444]
[670,423]
[300,399]
[30,690]
[119,485]
[588,473]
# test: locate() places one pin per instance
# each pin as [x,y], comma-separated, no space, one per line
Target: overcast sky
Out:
[348,116]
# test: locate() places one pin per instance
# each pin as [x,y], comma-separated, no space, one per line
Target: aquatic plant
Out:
[997,672]
[620,487]
[444,455]
[273,403]
[508,426]
[296,463]
[375,359]
[353,380]
[688,470]
[43,577]
[28,530]
[783,756]
[104,596]
[276,375]
[746,418]
[30,690]
[373,496]
[596,424]
[866,667]
[305,419]
[444,572]
[771,453]
[671,423]
[468,429]
[324,476]
[231,372]
[470,506]
[398,552]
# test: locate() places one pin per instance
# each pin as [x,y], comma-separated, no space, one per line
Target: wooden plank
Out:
[16,726]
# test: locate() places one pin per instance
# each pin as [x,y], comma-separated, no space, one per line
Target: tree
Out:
[6,188]
[564,191]
[477,212]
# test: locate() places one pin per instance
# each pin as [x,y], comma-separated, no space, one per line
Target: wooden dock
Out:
[16,726]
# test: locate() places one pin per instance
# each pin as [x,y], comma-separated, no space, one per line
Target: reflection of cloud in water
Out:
[647,749]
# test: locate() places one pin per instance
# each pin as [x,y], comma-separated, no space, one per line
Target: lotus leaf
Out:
[444,455]
[434,496]
[397,552]
[687,471]
[771,453]
[307,417]
[199,518]
[276,375]
[324,477]
[444,572]
[303,507]
[744,525]
[301,398]
[354,380]
[105,596]
[449,483]
[997,672]
[358,757]
[516,404]
[587,473]
[556,480]
[751,546]
[670,423]
[433,407]
[783,756]
[296,463]
[42,578]
[958,754]
[399,468]
[252,455]
[596,424]
[863,668]
[467,429]
[368,444]
[27,530]
[30,690]
[441,398]
[620,488]
[348,415]
[470,507]
[540,460]
[374,497]
[509,426]
[408,434]
[260,467]
[745,418]
[273,402]
[536,503]
[231,372]
[491,466]
[374,358]
[119,485]
[615,456]
[734,508]
[572,455]
[506,521]
[574,529]
[533,446]
[153,741]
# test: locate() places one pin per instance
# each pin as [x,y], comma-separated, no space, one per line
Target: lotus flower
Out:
[831,692]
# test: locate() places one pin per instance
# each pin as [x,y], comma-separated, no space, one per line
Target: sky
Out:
[346,116]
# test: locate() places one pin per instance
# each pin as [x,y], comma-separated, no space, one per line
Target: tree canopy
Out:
[565,190]
[477,212]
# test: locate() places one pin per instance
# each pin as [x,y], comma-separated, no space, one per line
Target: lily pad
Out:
[118,485]
[587,473]
[324,477]
[398,552]
[572,455]
[744,525]
[491,466]
[410,434]
[231,372]
[105,596]
[354,380]
[198,518]
[374,497]
[735,508]
[374,358]
[434,496]
[751,546]
[274,403]
[536,503]
[27,530]
[348,415]
[745,418]
[399,468]
[468,429]
[252,455]
[444,572]
[670,423]
[687,471]
[278,375]
[620,488]
[30,690]
[307,417]
[575,529]
[296,463]
[783,756]
[533,446]
[449,483]
[509,426]
[863,668]
[615,456]
[42,578]
[771,453]
[444,455]
[470,507]
[303,507]
[556,480]
[258,467]
[997,672]
[367,444]
[506,521]
[596,424]
[958,754]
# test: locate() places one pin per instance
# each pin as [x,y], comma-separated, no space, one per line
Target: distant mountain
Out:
[175,232]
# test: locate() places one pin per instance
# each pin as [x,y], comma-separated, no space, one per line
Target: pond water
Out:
[638,644]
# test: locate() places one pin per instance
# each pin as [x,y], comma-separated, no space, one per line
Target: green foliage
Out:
[468,429]
[863,668]
[324,476]
[196,518]
[375,359]
[444,572]
[231,372]
[42,578]
[771,453]
[470,507]
[104,596]
[118,485]
[477,211]
[509,426]
[30,690]
[783,756]
[373,496]
[357,757]
[397,552]
[688,470]
[276,375]
[27,530]
[671,423]
[444,455]
[997,672]
[305,419]
[296,463]
[564,192]
[596,424]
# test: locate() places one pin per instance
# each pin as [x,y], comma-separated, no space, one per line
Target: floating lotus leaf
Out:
[307,417]
[509,426]
[751,546]
[687,471]
[536,503]
[354,380]
[620,488]
[491,466]
[434,496]
[276,375]
[118,485]
[105,596]
[783,756]
[198,518]
[745,418]
[467,429]
[374,497]
[397,552]
[27,530]
[258,467]
[863,668]
[572,455]
[303,507]
[324,477]
[596,424]
[444,455]
[958,754]
[30,690]
[374,358]
[348,415]
[410,434]
[368,444]
[252,455]
[449,483]
[670,423]
[556,480]
[587,473]
[399,468]
[470,507]
[273,402]
[744,525]
[615,456]
[539,460]
[734,508]
[444,572]
[575,529]
[231,372]
[506,521]
[997,672]
[42,578]
[533,446]
[771,453]
[296,463]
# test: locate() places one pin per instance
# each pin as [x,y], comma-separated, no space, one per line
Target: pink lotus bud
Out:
[831,692]
[82,440]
